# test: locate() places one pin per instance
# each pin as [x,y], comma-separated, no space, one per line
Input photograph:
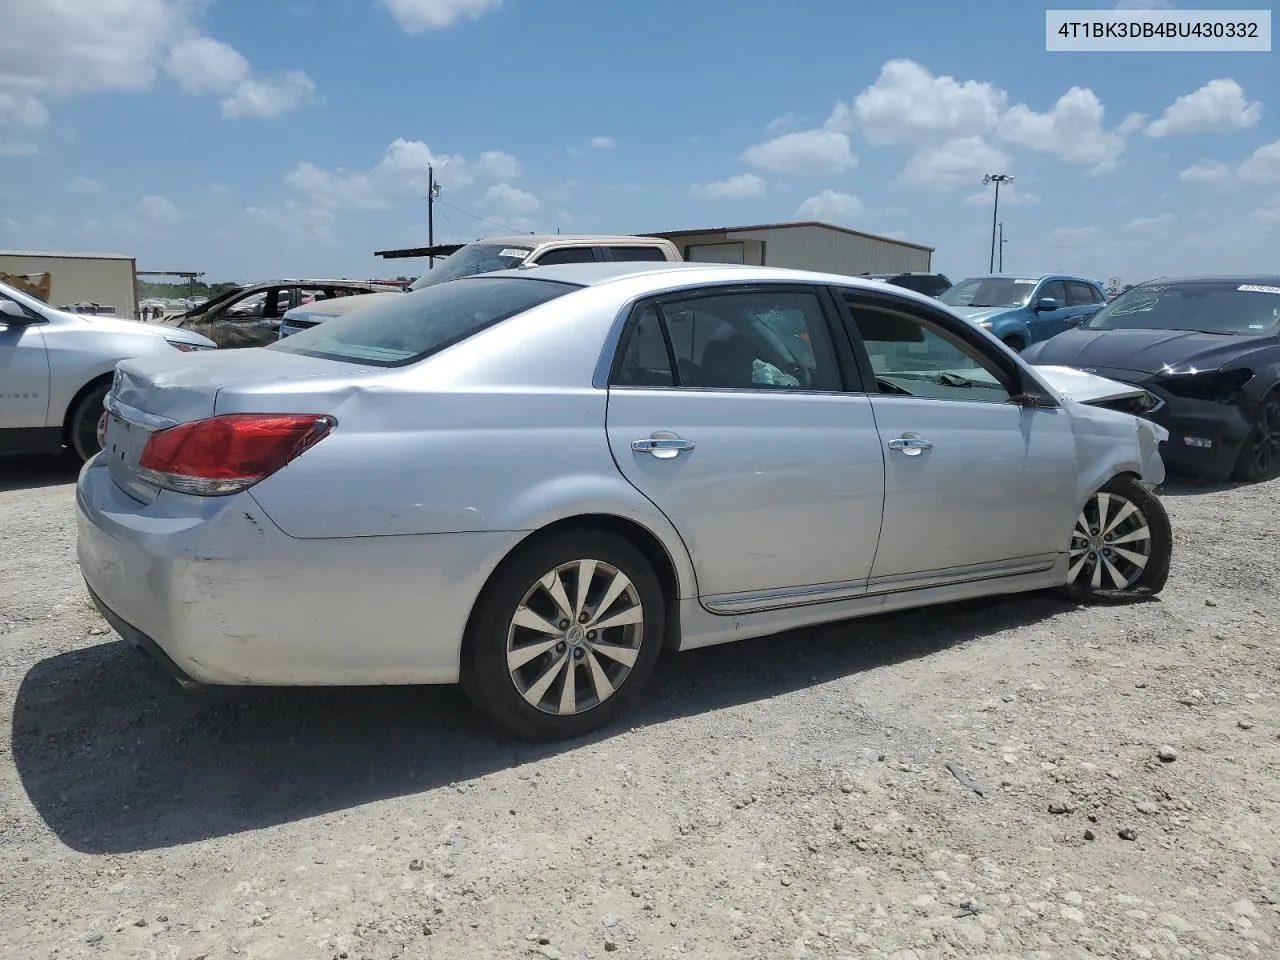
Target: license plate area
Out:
[122,447]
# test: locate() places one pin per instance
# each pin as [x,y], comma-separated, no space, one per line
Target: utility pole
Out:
[433,191]
[997,179]
[1003,241]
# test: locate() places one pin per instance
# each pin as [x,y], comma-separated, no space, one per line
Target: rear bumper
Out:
[219,595]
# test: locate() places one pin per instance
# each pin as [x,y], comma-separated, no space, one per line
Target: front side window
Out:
[1054,290]
[991,292]
[405,329]
[912,356]
[749,340]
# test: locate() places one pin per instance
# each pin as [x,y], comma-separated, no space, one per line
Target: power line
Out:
[473,216]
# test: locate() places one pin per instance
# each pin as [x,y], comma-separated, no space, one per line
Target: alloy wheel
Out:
[574,637]
[1266,440]
[1110,545]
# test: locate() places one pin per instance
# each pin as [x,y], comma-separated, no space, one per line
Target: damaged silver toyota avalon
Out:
[532,481]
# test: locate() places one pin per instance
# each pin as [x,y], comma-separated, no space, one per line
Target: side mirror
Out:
[1046,304]
[12,313]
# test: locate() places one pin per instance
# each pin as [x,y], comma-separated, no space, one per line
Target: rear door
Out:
[728,410]
[976,484]
[1083,301]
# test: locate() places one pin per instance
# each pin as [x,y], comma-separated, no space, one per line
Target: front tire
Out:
[1259,458]
[565,637]
[1120,547]
[1015,343]
[83,427]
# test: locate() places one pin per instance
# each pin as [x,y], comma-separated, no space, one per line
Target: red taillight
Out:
[226,454]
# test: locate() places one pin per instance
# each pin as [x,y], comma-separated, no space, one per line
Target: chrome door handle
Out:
[664,448]
[911,446]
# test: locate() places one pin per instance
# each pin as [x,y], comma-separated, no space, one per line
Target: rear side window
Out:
[566,255]
[1080,294]
[405,329]
[637,253]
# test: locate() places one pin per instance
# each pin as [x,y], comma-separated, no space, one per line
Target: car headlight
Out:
[985,324]
[1211,386]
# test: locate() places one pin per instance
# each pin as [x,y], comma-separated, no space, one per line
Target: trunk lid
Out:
[152,393]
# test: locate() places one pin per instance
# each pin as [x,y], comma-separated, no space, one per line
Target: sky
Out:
[291,138]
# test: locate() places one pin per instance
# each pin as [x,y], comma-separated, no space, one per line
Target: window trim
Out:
[660,300]
[1014,379]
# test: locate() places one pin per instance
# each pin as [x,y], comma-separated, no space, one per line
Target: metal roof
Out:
[789,225]
[67,256]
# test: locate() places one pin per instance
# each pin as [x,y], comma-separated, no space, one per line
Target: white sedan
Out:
[532,481]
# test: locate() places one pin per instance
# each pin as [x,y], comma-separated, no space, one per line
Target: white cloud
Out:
[85,185]
[1151,225]
[22,110]
[43,221]
[603,143]
[831,207]
[743,186]
[216,189]
[74,47]
[1068,237]
[953,163]
[778,124]
[269,97]
[908,104]
[1008,195]
[1072,130]
[205,65]
[807,152]
[401,173]
[1218,105]
[158,211]
[1263,165]
[295,223]
[508,199]
[1206,171]
[1144,5]
[18,148]
[418,16]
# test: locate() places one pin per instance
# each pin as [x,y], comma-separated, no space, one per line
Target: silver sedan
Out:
[532,481]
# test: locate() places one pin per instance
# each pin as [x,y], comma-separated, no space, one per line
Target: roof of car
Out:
[1261,279]
[536,239]
[595,274]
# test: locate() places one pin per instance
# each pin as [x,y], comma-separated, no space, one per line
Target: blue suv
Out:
[1022,309]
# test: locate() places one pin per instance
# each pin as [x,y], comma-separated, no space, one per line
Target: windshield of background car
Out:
[411,327]
[990,292]
[472,259]
[1239,309]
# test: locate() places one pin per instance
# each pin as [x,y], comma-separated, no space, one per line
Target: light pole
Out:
[1003,241]
[997,179]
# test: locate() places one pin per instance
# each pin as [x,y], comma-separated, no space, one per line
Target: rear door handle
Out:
[662,447]
[911,446]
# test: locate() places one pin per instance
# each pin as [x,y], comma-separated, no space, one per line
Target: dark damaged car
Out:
[250,316]
[1207,350]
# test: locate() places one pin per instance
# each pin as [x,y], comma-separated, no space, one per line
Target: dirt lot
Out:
[783,798]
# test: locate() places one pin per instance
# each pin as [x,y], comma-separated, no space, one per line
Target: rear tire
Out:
[585,600]
[83,427]
[1121,546]
[1259,458]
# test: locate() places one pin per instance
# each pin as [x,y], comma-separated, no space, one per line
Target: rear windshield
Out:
[1238,309]
[472,259]
[408,328]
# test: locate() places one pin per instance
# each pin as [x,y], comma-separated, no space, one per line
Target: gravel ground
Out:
[1013,779]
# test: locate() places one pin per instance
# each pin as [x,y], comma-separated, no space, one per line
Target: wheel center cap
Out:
[575,634]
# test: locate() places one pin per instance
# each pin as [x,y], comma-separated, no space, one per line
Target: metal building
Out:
[802,245]
[109,279]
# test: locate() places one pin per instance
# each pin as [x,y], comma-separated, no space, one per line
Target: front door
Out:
[1049,323]
[972,479]
[24,376]
[727,411]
